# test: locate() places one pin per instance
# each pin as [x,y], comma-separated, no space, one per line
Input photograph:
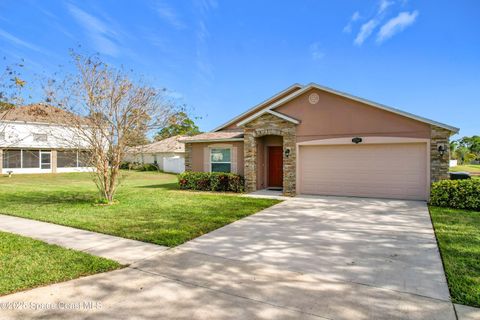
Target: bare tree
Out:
[106,106]
[11,85]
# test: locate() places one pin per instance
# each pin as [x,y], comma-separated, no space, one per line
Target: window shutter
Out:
[234,159]
[206,160]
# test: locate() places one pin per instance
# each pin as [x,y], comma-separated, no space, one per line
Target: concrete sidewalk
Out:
[466,312]
[125,251]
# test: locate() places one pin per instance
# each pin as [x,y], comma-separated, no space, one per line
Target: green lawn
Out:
[458,235]
[26,263]
[474,168]
[149,208]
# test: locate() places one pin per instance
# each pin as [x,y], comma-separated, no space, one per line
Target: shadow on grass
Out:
[175,187]
[164,186]
[45,198]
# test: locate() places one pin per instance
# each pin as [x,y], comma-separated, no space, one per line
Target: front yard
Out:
[472,168]
[458,235]
[150,208]
[26,263]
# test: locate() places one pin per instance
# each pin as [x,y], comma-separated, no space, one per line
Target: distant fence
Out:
[174,164]
[453,163]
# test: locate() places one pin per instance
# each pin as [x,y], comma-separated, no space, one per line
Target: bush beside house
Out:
[139,166]
[458,194]
[211,181]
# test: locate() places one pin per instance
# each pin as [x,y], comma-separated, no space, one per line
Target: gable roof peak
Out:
[259,106]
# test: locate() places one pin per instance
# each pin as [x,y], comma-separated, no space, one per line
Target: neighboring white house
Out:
[35,139]
[167,154]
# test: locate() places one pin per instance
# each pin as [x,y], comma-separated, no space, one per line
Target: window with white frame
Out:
[40,137]
[221,160]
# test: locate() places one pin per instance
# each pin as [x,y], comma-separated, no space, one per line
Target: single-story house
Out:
[310,139]
[168,154]
[37,139]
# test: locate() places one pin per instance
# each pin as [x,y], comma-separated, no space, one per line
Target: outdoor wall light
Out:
[287,152]
[357,140]
[441,150]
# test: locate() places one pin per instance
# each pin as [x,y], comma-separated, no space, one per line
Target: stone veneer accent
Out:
[269,124]
[439,165]
[188,157]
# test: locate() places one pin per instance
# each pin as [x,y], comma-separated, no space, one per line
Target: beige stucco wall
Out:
[198,156]
[335,116]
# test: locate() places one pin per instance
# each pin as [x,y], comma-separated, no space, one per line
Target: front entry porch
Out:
[270,154]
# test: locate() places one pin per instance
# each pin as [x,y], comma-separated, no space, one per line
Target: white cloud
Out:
[365,31]
[206,5]
[384,4]
[19,42]
[169,15]
[102,36]
[175,95]
[205,70]
[389,29]
[316,51]
[202,56]
[158,41]
[355,16]
[396,25]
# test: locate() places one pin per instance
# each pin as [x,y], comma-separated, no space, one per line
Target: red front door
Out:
[275,167]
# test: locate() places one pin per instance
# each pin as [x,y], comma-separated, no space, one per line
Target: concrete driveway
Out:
[306,258]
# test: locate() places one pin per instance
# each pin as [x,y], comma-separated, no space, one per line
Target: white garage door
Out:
[396,171]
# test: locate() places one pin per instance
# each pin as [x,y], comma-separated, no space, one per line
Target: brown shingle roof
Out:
[37,113]
[171,144]
[221,135]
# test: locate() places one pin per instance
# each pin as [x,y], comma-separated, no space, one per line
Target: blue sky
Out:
[222,57]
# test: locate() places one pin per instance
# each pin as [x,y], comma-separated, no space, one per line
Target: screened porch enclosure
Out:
[43,160]
[72,159]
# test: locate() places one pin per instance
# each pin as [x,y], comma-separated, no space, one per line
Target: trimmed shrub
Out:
[146,167]
[211,181]
[125,165]
[458,194]
[138,166]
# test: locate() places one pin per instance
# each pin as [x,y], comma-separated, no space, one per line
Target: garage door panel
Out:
[390,171]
